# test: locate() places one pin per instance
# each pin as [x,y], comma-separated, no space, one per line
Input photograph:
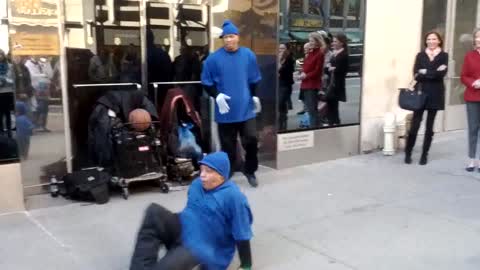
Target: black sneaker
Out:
[252,179]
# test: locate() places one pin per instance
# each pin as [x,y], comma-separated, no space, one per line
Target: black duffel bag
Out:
[88,185]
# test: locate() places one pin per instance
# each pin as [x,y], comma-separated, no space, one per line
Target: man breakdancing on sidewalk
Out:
[216,220]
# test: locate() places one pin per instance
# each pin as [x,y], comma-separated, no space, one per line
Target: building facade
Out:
[74,51]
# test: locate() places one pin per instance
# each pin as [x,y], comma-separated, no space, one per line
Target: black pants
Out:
[161,227]
[412,135]
[310,99]
[284,97]
[247,130]
[41,115]
[333,115]
[5,122]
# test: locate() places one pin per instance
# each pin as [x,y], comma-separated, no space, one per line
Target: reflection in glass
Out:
[8,146]
[434,17]
[465,21]
[257,22]
[337,7]
[343,21]
[35,65]
[103,53]
[296,6]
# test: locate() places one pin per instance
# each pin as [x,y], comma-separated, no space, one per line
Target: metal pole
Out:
[214,140]
[64,85]
[155,93]
[143,42]
[139,86]
[176,82]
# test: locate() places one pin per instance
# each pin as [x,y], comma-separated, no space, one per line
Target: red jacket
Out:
[313,68]
[471,73]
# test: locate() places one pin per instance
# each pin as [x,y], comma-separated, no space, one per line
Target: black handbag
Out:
[412,99]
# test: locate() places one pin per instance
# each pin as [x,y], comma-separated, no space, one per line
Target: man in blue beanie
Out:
[231,75]
[216,220]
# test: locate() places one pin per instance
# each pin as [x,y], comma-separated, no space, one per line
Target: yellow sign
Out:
[33,8]
[34,13]
[34,44]
[306,23]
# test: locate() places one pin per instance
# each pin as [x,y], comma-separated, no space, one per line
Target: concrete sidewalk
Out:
[367,212]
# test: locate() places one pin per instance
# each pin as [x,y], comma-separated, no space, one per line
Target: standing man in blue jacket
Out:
[231,76]
[216,220]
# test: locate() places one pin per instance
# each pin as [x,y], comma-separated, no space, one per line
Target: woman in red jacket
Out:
[471,79]
[312,76]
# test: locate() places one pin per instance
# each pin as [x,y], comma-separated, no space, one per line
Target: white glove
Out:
[442,68]
[222,103]
[476,84]
[257,105]
[422,71]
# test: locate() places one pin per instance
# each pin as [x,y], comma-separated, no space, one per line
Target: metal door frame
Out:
[454,116]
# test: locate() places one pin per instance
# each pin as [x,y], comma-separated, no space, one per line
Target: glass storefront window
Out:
[337,7]
[257,22]
[296,6]
[434,17]
[8,136]
[293,107]
[39,125]
[466,17]
[354,9]
[126,48]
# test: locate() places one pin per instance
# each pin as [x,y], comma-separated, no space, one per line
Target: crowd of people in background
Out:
[27,85]
[122,64]
[322,77]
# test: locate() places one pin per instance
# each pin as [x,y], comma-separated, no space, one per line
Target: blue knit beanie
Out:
[229,28]
[21,108]
[219,162]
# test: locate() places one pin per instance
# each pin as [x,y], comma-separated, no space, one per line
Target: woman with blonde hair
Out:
[312,75]
[471,79]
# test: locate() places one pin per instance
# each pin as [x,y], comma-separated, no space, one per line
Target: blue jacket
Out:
[213,221]
[231,73]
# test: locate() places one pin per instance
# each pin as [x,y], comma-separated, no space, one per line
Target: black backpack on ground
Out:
[88,185]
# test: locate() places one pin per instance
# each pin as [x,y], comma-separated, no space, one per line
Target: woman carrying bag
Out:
[430,69]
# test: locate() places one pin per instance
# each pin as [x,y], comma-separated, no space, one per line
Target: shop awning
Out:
[284,36]
[299,35]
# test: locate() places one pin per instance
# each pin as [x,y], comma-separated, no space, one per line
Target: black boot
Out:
[409,148]
[423,159]
[427,142]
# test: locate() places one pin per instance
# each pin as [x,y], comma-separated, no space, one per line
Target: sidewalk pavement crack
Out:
[47,232]
[331,259]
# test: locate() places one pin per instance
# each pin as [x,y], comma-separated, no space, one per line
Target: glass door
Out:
[152,45]
[103,46]
[177,43]
[463,17]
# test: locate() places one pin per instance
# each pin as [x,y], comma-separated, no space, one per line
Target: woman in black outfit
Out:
[286,67]
[430,68]
[338,68]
